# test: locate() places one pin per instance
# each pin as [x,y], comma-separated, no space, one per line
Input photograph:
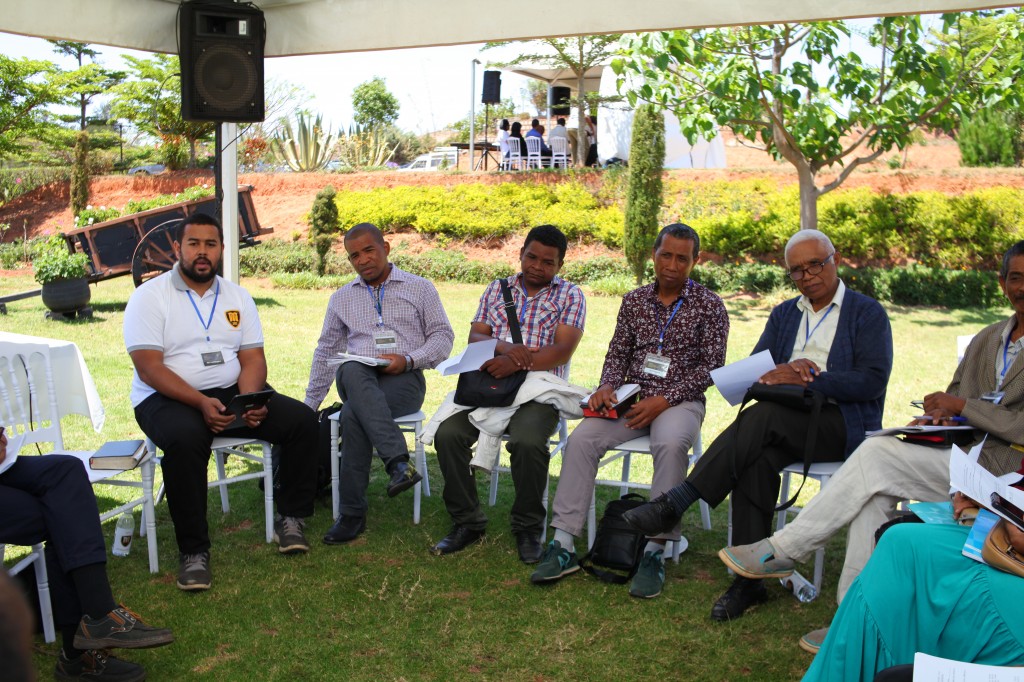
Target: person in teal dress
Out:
[920,593]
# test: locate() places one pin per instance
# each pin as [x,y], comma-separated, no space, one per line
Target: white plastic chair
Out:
[533,149]
[29,400]
[38,560]
[559,151]
[624,452]
[515,155]
[410,423]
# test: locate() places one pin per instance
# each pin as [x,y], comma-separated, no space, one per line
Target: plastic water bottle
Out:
[801,588]
[123,535]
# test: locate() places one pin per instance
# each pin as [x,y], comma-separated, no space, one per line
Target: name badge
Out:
[656,365]
[211,358]
[994,397]
[385,340]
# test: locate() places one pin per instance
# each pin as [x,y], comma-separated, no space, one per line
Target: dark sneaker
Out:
[403,477]
[812,641]
[649,577]
[756,560]
[655,517]
[194,572]
[120,628]
[345,529]
[289,536]
[741,595]
[98,665]
[556,563]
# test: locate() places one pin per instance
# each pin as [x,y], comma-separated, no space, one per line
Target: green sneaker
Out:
[650,576]
[556,563]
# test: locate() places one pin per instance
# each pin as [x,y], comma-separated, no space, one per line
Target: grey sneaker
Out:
[650,576]
[97,665]
[289,536]
[119,628]
[194,572]
[757,560]
[556,563]
[812,641]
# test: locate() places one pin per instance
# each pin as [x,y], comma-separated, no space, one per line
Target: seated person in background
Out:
[537,130]
[384,313]
[830,339]
[551,315]
[502,139]
[987,390]
[196,342]
[668,337]
[49,498]
[517,133]
[558,131]
[920,593]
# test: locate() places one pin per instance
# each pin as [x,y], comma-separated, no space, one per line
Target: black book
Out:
[118,454]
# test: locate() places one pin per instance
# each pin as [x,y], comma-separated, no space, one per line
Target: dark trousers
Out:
[50,499]
[528,433]
[180,431]
[371,402]
[746,459]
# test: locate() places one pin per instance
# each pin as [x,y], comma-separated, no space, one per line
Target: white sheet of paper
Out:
[470,359]
[733,380]
[934,669]
[342,358]
[13,445]
[977,483]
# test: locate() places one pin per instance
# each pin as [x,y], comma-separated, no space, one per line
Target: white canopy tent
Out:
[297,27]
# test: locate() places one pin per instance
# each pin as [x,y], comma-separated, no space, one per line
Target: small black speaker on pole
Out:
[558,100]
[492,88]
[221,54]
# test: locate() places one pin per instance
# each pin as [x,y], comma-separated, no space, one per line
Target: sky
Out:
[432,84]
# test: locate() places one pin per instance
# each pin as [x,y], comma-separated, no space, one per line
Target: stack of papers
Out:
[623,392]
[342,358]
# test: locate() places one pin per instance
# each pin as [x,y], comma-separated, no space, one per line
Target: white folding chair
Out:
[38,560]
[29,394]
[515,155]
[259,452]
[410,423]
[624,452]
[559,152]
[533,149]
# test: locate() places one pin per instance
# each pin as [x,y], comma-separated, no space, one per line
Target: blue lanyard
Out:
[209,320]
[661,336]
[808,332]
[1006,348]
[378,303]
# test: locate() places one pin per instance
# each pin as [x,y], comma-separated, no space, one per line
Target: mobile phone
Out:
[1012,511]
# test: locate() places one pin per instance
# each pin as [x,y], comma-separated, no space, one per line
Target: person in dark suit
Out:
[830,339]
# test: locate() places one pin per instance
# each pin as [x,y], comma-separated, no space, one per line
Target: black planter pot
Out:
[66,295]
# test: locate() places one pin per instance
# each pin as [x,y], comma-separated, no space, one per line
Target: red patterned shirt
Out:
[695,341]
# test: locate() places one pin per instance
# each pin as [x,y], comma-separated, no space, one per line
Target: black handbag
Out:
[479,388]
[618,546]
[797,398]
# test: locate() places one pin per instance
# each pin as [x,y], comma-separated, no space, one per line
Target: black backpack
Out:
[323,455]
[618,547]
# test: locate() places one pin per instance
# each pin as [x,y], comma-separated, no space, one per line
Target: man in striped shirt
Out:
[396,317]
[551,314]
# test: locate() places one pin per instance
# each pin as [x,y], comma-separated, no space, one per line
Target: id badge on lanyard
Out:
[211,355]
[384,339]
[657,365]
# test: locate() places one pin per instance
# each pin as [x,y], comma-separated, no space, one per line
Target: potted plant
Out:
[63,276]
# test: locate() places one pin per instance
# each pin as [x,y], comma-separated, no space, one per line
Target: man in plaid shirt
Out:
[395,316]
[551,314]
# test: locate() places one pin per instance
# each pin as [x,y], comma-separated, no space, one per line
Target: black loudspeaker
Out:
[492,88]
[221,53]
[558,101]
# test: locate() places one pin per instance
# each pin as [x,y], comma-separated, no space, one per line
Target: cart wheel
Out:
[155,255]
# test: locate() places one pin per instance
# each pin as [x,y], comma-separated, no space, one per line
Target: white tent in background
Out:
[615,133]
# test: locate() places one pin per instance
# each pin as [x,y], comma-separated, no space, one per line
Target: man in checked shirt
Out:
[551,313]
[383,313]
[668,337]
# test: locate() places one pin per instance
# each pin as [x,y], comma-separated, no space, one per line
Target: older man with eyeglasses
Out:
[830,339]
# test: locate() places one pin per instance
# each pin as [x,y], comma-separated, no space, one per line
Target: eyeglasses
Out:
[797,274]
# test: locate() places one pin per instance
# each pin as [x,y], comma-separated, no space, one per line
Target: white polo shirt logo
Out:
[233,317]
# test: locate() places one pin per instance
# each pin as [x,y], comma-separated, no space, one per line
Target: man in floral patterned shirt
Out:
[669,336]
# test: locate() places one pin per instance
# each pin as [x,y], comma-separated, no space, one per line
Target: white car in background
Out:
[151,169]
[441,157]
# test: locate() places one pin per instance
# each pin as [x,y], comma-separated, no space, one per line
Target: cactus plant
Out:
[307,147]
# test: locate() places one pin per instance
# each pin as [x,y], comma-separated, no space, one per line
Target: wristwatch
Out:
[408,363]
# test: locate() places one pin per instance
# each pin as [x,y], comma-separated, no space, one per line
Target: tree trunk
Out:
[582,146]
[808,200]
[191,153]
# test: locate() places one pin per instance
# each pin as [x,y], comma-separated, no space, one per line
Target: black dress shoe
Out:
[530,549]
[741,595]
[655,517]
[458,539]
[403,477]
[345,529]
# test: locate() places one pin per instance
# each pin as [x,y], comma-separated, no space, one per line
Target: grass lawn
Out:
[382,608]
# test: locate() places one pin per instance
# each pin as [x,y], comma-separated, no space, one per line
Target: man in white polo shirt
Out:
[196,342]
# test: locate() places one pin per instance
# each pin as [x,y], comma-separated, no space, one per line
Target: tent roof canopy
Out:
[320,26]
[559,77]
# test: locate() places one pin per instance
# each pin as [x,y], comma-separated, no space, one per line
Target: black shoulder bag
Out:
[480,389]
[618,546]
